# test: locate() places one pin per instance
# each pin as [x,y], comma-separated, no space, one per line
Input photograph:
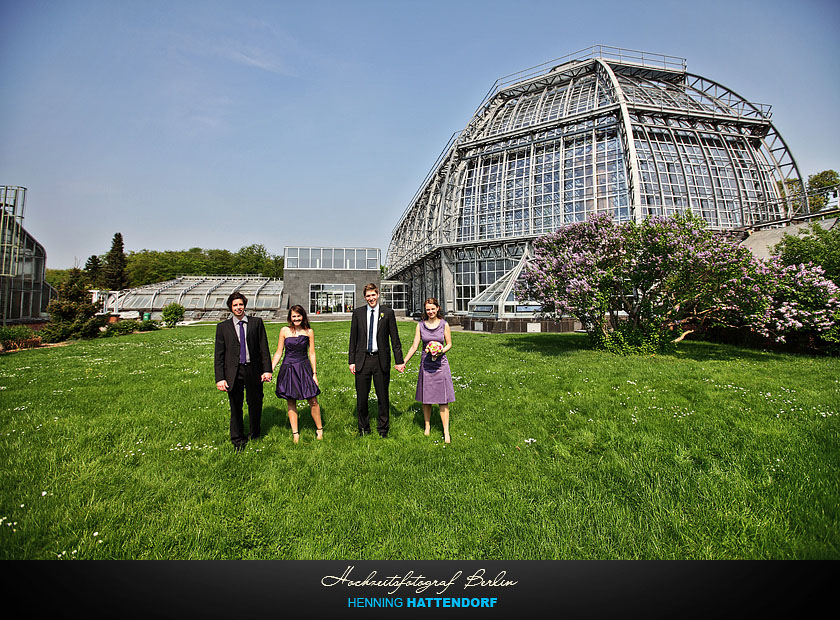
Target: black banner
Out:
[396,589]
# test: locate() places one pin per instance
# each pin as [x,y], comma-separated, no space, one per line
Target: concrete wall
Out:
[296,282]
[761,242]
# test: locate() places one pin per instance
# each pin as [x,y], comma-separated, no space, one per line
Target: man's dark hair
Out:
[235,296]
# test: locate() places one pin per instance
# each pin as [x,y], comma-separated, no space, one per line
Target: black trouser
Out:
[248,382]
[372,370]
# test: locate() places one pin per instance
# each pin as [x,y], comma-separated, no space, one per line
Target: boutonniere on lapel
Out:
[381,315]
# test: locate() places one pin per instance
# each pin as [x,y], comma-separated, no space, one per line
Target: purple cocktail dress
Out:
[434,380]
[294,380]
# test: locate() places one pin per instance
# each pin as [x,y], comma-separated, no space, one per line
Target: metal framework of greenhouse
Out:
[24,292]
[603,130]
[203,297]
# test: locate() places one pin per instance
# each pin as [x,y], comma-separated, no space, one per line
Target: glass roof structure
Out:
[603,130]
[12,203]
[202,296]
[24,291]
[499,299]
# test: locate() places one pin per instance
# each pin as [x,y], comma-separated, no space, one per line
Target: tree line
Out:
[117,270]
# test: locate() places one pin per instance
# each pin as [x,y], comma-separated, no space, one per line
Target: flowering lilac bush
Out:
[637,287]
[806,303]
[814,244]
[577,270]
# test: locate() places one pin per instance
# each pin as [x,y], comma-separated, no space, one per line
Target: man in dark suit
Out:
[371,329]
[242,363]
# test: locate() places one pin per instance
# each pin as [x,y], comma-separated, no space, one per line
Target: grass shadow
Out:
[373,414]
[702,351]
[555,345]
[549,344]
[417,409]
[435,422]
[273,417]
[279,417]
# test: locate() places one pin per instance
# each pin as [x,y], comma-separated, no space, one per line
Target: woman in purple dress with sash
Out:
[434,379]
[298,379]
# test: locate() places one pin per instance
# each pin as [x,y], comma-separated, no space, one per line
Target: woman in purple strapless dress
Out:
[298,379]
[434,379]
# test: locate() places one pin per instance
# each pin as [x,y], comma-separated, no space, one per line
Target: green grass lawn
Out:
[118,448]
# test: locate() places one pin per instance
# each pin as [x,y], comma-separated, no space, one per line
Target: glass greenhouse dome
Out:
[203,297]
[604,130]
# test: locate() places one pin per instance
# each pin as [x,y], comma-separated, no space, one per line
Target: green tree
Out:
[114,271]
[55,277]
[273,266]
[172,314]
[251,259]
[192,262]
[814,244]
[820,185]
[219,261]
[72,314]
[93,271]
[143,267]
[147,266]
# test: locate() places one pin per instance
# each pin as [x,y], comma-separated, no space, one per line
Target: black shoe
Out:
[239,448]
[383,435]
[363,433]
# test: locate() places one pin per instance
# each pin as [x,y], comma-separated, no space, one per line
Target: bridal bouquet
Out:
[434,348]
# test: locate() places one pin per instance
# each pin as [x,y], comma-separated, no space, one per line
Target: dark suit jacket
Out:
[387,328]
[226,357]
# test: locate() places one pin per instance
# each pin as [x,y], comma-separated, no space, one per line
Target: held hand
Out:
[222,385]
[353,368]
[400,367]
[266,377]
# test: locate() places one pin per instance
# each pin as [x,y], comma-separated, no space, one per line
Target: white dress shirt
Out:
[375,324]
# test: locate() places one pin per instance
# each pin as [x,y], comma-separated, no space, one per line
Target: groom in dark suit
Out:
[371,329]
[242,363]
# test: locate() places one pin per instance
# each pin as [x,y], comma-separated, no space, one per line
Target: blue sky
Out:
[220,124]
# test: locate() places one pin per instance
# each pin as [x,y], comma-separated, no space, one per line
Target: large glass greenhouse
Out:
[24,291]
[604,130]
[203,297]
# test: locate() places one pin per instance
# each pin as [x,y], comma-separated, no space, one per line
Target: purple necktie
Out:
[242,353]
